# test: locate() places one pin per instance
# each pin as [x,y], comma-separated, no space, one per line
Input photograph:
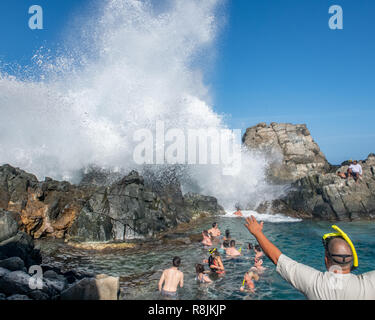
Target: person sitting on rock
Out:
[171,278]
[342,175]
[206,238]
[215,231]
[355,170]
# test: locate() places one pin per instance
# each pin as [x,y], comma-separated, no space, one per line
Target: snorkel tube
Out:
[343,235]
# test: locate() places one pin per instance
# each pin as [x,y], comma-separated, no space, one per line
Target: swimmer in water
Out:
[250,247]
[215,263]
[258,252]
[248,283]
[238,213]
[171,278]
[258,266]
[227,235]
[201,276]
[215,231]
[206,239]
[232,251]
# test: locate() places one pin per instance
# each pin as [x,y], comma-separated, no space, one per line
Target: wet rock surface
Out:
[24,277]
[315,190]
[126,209]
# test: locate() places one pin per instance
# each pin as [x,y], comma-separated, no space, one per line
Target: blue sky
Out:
[277,60]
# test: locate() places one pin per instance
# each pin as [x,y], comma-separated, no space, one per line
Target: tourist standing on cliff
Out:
[355,170]
[338,283]
[171,278]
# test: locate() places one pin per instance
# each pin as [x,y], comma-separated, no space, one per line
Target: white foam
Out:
[266,217]
[137,65]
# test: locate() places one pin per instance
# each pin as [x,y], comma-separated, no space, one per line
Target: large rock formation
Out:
[316,191]
[15,243]
[92,211]
[45,208]
[128,209]
[19,260]
[329,197]
[101,287]
[293,152]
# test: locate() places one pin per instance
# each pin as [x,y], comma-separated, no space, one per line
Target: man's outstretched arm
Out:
[256,229]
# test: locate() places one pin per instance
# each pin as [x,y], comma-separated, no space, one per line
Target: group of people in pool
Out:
[212,239]
[336,283]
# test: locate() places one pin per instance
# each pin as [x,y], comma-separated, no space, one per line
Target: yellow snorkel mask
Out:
[344,236]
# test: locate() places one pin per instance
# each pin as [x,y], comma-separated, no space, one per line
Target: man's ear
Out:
[326,260]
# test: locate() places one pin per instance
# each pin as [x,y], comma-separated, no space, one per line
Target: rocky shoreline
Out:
[315,190]
[23,276]
[111,217]
[115,214]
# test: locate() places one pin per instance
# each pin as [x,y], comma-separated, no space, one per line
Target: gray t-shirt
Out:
[316,285]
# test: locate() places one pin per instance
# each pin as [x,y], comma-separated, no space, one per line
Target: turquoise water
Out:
[141,271]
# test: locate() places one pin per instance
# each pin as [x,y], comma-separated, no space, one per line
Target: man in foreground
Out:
[171,278]
[338,283]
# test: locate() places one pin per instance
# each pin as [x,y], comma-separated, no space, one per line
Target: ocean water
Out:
[140,272]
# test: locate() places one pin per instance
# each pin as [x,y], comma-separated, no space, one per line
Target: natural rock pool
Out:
[140,270]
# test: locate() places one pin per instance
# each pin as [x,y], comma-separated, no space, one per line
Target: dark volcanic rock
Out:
[45,208]
[8,225]
[12,264]
[126,209]
[18,297]
[316,191]
[199,204]
[18,244]
[330,197]
[122,211]
[16,282]
[38,295]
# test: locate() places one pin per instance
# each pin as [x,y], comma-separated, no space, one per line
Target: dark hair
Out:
[232,243]
[176,261]
[199,268]
[227,233]
[214,225]
[257,247]
[250,246]
[205,232]
[226,243]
